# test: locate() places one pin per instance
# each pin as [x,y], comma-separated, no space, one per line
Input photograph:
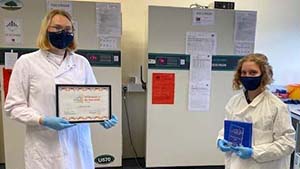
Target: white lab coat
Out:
[273,138]
[32,95]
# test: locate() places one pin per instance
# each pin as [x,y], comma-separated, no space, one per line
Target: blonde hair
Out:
[262,61]
[42,39]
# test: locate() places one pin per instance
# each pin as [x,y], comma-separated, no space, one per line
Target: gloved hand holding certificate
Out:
[238,133]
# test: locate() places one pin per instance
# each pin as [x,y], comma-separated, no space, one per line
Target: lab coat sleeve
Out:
[16,104]
[284,139]
[227,111]
[89,74]
[220,136]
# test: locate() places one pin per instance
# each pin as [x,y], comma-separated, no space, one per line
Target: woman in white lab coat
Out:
[51,142]
[273,138]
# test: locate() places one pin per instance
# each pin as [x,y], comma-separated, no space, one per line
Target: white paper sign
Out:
[201,42]
[244,32]
[108,19]
[54,4]
[10,59]
[243,48]
[13,31]
[108,42]
[203,17]
[201,46]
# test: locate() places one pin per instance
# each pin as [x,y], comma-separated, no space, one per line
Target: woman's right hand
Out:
[56,123]
[224,145]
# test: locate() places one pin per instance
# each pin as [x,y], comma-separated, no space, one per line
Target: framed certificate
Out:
[83,103]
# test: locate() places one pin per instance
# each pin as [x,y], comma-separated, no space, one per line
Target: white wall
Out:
[278,36]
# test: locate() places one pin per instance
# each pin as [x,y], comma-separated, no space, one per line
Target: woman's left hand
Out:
[110,123]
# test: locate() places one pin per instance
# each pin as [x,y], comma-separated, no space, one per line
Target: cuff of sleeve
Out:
[257,155]
[219,137]
[254,154]
[35,120]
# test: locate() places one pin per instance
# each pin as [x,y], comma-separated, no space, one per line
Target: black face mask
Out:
[251,83]
[60,40]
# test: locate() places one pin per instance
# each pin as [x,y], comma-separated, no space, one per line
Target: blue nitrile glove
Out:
[56,123]
[110,123]
[243,152]
[224,145]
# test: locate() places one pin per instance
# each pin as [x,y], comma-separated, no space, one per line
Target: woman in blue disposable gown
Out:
[51,142]
[273,138]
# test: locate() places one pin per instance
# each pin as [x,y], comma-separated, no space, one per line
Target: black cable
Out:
[129,129]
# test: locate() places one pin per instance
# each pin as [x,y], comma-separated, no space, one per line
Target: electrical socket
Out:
[131,87]
[133,79]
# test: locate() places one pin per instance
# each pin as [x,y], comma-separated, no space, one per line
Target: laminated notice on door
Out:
[163,88]
[6,76]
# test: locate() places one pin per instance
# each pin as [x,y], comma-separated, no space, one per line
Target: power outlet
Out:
[132,87]
[133,79]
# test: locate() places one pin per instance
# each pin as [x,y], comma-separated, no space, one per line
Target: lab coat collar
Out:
[254,102]
[70,60]
[258,99]
[66,65]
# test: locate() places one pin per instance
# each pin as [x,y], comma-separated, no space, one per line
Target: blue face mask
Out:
[251,83]
[60,40]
